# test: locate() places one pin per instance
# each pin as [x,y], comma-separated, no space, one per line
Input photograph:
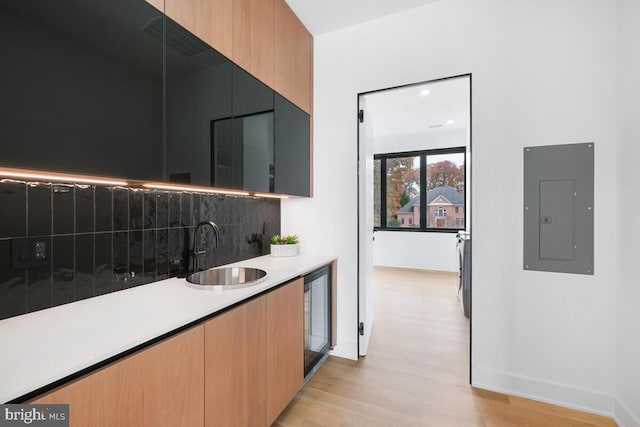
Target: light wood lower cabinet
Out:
[285,346]
[159,386]
[254,359]
[241,368]
[235,366]
[85,398]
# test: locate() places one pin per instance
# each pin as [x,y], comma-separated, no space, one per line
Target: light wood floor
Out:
[416,370]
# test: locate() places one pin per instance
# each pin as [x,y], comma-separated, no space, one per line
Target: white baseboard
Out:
[346,350]
[545,391]
[431,267]
[623,416]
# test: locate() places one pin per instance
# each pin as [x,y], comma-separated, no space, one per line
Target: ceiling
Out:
[437,106]
[323,16]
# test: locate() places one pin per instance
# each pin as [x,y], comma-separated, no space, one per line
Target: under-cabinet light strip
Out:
[82,179]
[159,186]
[270,196]
[44,176]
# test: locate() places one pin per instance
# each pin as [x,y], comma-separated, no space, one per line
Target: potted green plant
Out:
[285,245]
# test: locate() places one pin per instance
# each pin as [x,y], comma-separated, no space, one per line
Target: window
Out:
[376,192]
[420,191]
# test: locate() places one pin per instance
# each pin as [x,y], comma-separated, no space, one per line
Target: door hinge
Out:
[361,328]
[361,116]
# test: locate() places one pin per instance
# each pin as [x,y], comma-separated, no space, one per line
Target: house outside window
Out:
[420,191]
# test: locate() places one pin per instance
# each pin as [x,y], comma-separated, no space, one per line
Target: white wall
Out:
[427,251]
[628,319]
[544,72]
[432,139]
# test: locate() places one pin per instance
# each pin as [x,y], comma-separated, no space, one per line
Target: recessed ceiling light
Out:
[449,122]
[425,92]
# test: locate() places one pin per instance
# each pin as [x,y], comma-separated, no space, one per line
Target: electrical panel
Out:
[558,208]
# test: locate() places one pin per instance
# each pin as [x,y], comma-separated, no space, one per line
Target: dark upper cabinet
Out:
[115,88]
[81,87]
[292,149]
[242,146]
[199,83]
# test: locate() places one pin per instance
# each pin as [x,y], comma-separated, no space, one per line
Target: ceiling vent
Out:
[178,38]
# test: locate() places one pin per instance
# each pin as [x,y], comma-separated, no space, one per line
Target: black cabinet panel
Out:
[115,88]
[199,90]
[86,87]
[292,149]
[242,145]
[250,95]
[224,160]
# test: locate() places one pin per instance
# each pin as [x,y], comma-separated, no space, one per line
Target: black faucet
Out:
[196,252]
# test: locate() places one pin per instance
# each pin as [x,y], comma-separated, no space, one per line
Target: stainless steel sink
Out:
[226,278]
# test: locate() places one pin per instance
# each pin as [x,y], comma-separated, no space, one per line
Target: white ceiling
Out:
[323,16]
[407,110]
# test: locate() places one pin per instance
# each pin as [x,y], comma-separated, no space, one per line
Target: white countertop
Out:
[45,346]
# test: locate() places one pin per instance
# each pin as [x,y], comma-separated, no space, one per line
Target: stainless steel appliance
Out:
[317,319]
[464,263]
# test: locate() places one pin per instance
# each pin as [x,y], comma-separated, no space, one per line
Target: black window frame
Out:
[424,155]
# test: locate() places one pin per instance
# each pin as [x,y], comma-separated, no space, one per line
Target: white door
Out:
[365,229]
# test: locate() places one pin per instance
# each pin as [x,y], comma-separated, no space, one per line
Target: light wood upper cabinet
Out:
[264,37]
[254,38]
[293,58]
[158,4]
[235,366]
[159,386]
[210,20]
[285,346]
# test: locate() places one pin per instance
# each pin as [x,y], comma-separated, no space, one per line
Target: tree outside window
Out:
[420,190]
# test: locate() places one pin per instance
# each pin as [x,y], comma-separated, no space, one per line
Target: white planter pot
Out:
[285,250]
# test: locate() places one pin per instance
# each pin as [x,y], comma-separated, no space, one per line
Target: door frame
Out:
[469,168]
